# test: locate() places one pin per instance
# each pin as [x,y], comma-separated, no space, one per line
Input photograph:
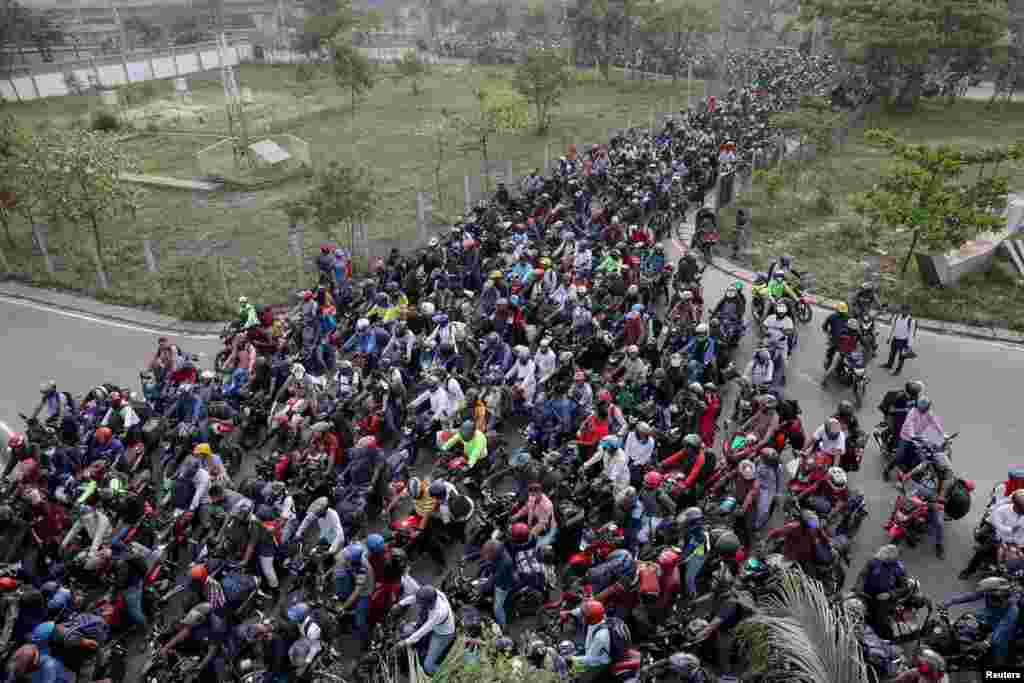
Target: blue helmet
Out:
[514,300]
[353,553]
[375,543]
[60,600]
[298,612]
[637,308]
[43,632]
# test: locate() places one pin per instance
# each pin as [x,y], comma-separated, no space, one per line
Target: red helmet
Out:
[199,573]
[604,396]
[307,295]
[593,612]
[16,441]
[668,560]
[104,435]
[519,532]
[580,376]
[8,584]
[325,249]
[653,479]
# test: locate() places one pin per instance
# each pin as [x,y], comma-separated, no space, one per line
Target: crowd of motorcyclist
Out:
[544,342]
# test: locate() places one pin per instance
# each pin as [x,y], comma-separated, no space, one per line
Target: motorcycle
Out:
[595,547]
[920,446]
[525,601]
[852,372]
[908,522]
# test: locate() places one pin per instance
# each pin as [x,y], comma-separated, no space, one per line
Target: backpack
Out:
[619,638]
[958,500]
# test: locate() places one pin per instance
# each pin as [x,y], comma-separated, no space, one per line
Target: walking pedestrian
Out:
[901,336]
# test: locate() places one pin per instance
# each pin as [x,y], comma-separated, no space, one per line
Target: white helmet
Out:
[362,325]
[837,476]
[687,296]
[207,375]
[523,352]
[702,328]
[427,309]
[298,371]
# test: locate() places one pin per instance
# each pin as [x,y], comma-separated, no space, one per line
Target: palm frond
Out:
[799,637]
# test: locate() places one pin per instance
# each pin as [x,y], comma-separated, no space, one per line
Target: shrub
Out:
[105,121]
[304,72]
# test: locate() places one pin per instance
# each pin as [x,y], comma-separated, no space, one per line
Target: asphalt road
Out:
[971,383]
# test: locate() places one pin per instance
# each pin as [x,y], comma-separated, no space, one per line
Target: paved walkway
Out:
[176,183]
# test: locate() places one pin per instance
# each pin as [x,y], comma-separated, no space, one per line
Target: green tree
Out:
[924,193]
[342,195]
[330,18]
[499,110]
[352,70]
[88,166]
[675,26]
[411,68]
[543,79]
[897,39]
[442,133]
[798,635]
[813,123]
[13,146]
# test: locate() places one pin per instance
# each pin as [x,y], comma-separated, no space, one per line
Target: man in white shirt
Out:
[829,439]
[440,401]
[545,361]
[329,524]
[1008,520]
[439,623]
[524,374]
[614,462]
[901,334]
[639,449]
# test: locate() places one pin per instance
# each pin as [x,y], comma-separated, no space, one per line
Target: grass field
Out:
[833,243]
[385,134]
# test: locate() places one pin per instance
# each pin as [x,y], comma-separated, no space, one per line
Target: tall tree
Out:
[925,194]
[897,39]
[499,110]
[342,195]
[542,79]
[88,166]
[352,70]
[675,27]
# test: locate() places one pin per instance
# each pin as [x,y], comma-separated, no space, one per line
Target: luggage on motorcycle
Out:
[619,638]
[958,500]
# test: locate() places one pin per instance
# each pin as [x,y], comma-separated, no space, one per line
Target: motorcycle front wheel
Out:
[804,314]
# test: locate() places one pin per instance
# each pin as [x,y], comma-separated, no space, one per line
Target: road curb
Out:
[937,326]
[101,311]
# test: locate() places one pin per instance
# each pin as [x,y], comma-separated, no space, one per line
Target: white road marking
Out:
[109,323]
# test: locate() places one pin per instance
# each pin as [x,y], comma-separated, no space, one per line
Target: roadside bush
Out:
[189,294]
[104,121]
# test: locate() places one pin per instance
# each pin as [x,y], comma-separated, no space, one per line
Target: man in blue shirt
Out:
[30,664]
[503,579]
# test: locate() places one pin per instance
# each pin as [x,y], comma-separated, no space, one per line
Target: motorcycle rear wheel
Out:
[804,313]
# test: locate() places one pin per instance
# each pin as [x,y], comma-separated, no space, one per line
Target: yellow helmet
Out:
[496,275]
[546,262]
[203,449]
[843,308]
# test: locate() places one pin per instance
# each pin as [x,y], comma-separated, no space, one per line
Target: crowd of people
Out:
[539,395]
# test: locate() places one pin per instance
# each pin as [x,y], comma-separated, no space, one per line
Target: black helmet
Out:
[399,559]
[426,596]
[914,388]
[845,409]
[438,489]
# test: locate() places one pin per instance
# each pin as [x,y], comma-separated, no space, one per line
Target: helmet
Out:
[438,489]
[427,309]
[298,612]
[523,352]
[690,516]
[468,429]
[676,360]
[786,260]
[16,441]
[353,553]
[853,326]
[702,329]
[604,396]
[43,632]
[399,558]
[687,295]
[728,544]
[426,596]
[48,387]
[104,435]
[747,470]
[842,308]
[362,325]
[727,506]
[307,295]
[888,553]
[693,441]
[199,573]
[566,648]
[837,475]
[730,294]
[637,308]
[610,442]
[593,612]
[695,628]
[696,387]
[809,518]
[505,646]
[367,442]
[914,388]
[668,559]
[298,371]
[684,664]
[203,449]
[845,409]
[633,290]
[580,376]
[633,350]
[324,249]
[754,569]
[495,275]
[519,532]
[653,479]
[931,665]
[924,404]
[781,308]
